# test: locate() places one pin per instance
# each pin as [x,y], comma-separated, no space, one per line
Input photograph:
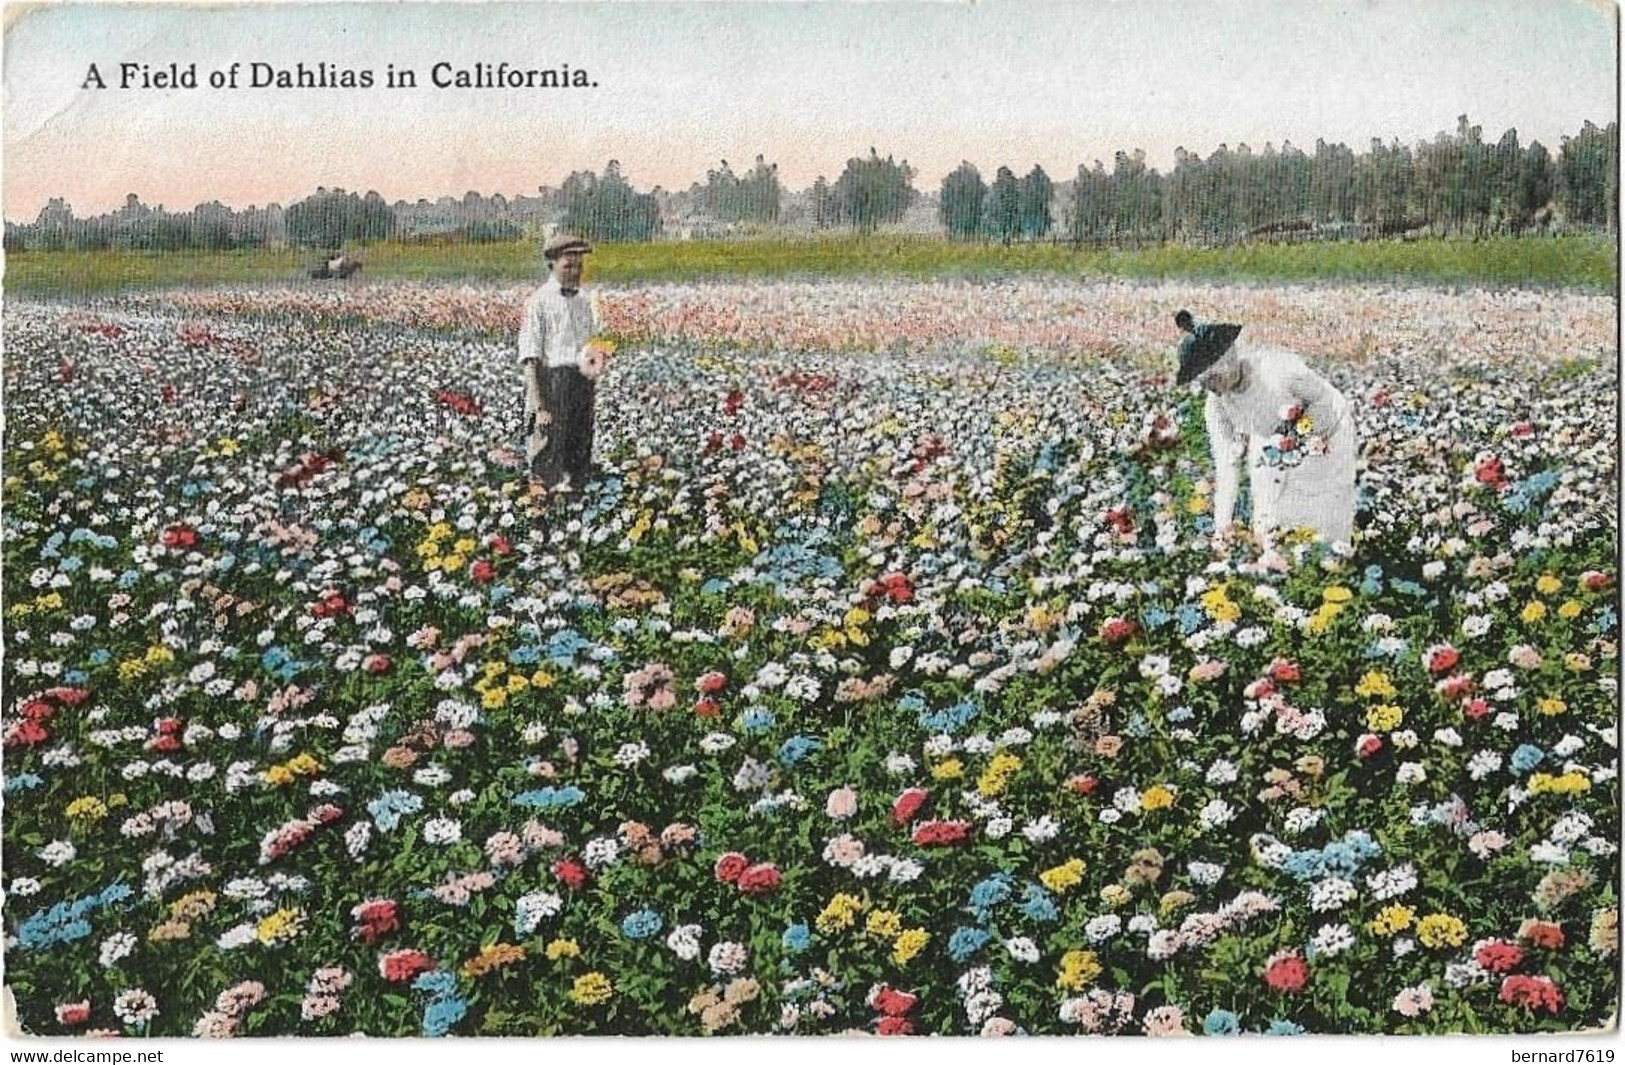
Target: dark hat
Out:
[560,243]
[1202,345]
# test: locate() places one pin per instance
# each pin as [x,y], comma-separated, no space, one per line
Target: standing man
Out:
[560,361]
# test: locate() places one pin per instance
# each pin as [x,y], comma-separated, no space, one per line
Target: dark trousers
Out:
[570,396]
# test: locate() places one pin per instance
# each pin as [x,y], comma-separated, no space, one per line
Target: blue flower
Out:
[524,656]
[1305,865]
[757,719]
[1180,714]
[101,656]
[71,564]
[1284,1028]
[1221,1022]
[714,586]
[441,1014]
[798,748]
[988,894]
[1527,757]
[1038,905]
[1137,726]
[22,782]
[1156,617]
[797,938]
[435,982]
[966,942]
[951,719]
[388,808]
[550,798]
[641,925]
[75,676]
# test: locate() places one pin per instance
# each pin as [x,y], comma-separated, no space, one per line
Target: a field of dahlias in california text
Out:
[885,681]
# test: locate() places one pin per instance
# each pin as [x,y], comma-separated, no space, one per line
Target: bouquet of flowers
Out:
[1293,438]
[595,356]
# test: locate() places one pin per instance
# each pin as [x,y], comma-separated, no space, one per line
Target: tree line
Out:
[1456,184]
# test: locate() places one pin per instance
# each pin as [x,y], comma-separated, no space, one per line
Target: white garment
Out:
[555,327]
[1318,493]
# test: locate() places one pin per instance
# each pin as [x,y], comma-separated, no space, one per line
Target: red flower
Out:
[1543,934]
[760,879]
[1293,414]
[27,734]
[501,546]
[1440,658]
[1368,746]
[378,918]
[1594,581]
[1477,709]
[180,536]
[1380,399]
[898,588]
[941,833]
[169,393]
[733,401]
[163,743]
[1287,974]
[400,966]
[713,442]
[169,725]
[570,871]
[891,1002]
[737,442]
[483,571]
[1262,688]
[72,1014]
[707,708]
[1499,956]
[907,805]
[1117,630]
[1083,784]
[1285,671]
[36,710]
[711,683]
[730,866]
[376,663]
[64,373]
[894,1026]
[71,696]
[1523,430]
[1532,993]
[1286,443]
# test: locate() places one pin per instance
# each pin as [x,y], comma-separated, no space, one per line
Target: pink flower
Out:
[841,804]
[1286,973]
[730,866]
[73,1014]
[1440,658]
[1414,1001]
[711,683]
[760,879]
[1532,993]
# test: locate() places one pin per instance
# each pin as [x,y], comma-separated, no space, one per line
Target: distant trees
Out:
[331,217]
[871,192]
[959,204]
[605,207]
[1458,183]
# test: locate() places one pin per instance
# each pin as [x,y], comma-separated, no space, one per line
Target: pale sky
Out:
[681,86]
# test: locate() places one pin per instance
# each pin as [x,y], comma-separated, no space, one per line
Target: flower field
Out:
[885,681]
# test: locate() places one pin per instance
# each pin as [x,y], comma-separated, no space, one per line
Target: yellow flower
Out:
[1533,612]
[453,563]
[1063,877]
[227,446]
[1548,584]
[86,808]
[1376,683]
[1383,718]
[1336,593]
[493,957]
[464,546]
[159,655]
[857,616]
[1114,894]
[909,944]
[1551,706]
[1438,930]
[840,914]
[517,683]
[192,905]
[283,924]
[1568,784]
[439,531]
[1392,920]
[541,679]
[494,699]
[1156,797]
[278,776]
[1218,605]
[884,923]
[591,989]
[305,765]
[562,948]
[996,777]
[1078,969]
[1569,610]
[952,769]
[428,549]
[1577,662]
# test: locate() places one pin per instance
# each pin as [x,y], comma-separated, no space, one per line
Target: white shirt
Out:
[555,327]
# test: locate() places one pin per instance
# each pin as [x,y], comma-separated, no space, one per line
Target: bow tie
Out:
[568,291]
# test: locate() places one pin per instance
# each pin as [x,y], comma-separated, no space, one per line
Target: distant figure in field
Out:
[1295,430]
[561,361]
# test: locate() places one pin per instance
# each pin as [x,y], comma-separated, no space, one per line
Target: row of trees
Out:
[1458,183]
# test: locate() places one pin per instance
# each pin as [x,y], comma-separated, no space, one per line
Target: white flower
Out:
[356,838]
[1206,873]
[116,947]
[135,1006]
[631,754]
[898,764]
[432,775]
[23,886]
[727,958]
[1100,929]
[1333,893]
[531,908]
[1217,812]
[56,854]
[716,742]
[905,871]
[1221,772]
[1331,940]
[601,852]
[1041,830]
[678,773]
[442,830]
